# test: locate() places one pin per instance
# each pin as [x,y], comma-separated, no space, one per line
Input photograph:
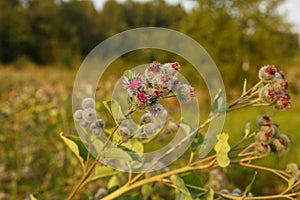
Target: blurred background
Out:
[43,42]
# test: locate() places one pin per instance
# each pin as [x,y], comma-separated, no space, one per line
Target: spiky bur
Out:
[271,90]
[268,138]
[87,117]
[156,82]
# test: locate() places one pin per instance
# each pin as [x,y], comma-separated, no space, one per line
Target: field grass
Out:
[36,105]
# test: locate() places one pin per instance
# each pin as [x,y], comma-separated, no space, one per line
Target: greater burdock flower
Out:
[263,121]
[264,137]
[89,115]
[262,149]
[150,129]
[280,144]
[292,168]
[88,103]
[84,124]
[185,93]
[78,115]
[283,101]
[146,118]
[268,95]
[267,73]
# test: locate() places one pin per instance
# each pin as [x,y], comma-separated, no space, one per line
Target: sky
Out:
[291,9]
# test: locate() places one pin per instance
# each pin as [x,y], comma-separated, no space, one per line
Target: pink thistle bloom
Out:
[134,85]
[142,97]
[175,66]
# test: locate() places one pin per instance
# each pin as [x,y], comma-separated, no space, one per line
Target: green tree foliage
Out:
[233,32]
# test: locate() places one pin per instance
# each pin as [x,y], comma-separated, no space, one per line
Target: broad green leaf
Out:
[182,193]
[107,105]
[117,112]
[247,129]
[113,184]
[32,197]
[134,145]
[222,148]
[77,147]
[249,186]
[197,141]
[102,171]
[192,178]
[219,103]
[209,195]
[129,74]
[245,87]
[291,182]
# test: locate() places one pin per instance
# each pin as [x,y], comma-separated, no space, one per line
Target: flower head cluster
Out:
[157,81]
[274,91]
[269,139]
[87,117]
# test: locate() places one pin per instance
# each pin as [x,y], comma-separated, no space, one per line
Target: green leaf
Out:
[245,87]
[222,148]
[218,105]
[291,182]
[77,147]
[32,197]
[128,74]
[182,193]
[117,112]
[107,105]
[192,178]
[113,184]
[209,195]
[247,129]
[249,186]
[197,141]
[102,171]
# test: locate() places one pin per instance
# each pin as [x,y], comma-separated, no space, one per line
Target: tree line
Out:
[234,32]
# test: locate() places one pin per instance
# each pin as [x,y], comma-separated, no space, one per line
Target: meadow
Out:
[35,108]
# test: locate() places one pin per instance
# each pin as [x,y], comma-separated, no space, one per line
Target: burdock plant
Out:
[125,140]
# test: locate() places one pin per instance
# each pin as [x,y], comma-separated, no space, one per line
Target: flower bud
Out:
[284,101]
[264,137]
[89,114]
[83,124]
[267,73]
[237,191]
[88,103]
[149,129]
[262,149]
[280,143]
[124,131]
[100,123]
[78,115]
[263,121]
[292,168]
[267,95]
[146,118]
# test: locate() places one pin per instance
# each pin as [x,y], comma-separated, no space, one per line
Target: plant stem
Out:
[88,172]
[156,178]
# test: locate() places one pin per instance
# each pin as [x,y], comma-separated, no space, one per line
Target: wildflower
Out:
[263,121]
[267,95]
[152,70]
[292,168]
[89,114]
[78,115]
[146,118]
[83,124]
[283,101]
[150,129]
[280,143]
[184,93]
[262,149]
[267,73]
[88,103]
[264,137]
[133,84]
[142,97]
